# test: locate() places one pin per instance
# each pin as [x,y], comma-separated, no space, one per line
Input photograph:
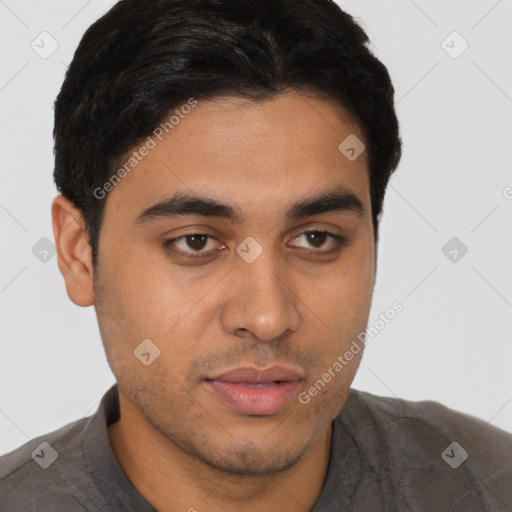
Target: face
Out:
[249,301]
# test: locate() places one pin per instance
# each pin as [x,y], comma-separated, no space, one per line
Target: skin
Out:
[180,446]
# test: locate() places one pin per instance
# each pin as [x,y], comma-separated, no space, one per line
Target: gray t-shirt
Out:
[387,455]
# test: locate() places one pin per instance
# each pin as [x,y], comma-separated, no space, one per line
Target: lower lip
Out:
[261,400]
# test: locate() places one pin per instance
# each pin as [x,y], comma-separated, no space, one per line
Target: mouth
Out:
[256,392]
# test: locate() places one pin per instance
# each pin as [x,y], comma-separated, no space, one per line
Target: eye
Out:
[317,239]
[195,241]
[196,245]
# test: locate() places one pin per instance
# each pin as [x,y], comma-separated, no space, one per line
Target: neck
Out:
[170,479]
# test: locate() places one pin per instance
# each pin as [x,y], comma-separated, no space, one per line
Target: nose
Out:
[262,302]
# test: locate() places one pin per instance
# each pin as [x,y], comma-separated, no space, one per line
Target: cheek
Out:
[148,300]
[151,298]
[339,309]
[143,291]
[342,293]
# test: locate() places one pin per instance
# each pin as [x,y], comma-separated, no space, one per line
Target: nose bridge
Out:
[261,301]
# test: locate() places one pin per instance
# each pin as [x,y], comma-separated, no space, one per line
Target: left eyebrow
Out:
[339,199]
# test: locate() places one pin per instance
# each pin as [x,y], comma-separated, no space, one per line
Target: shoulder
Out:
[406,417]
[17,459]
[31,474]
[432,450]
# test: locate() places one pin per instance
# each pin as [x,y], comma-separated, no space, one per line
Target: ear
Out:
[73,251]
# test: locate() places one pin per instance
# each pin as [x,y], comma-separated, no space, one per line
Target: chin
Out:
[249,460]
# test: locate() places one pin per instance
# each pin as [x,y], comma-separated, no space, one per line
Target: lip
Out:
[254,391]
[256,375]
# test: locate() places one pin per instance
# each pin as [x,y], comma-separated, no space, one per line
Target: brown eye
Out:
[197,245]
[190,245]
[317,239]
[196,242]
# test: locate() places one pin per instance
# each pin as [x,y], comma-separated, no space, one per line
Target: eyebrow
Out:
[339,199]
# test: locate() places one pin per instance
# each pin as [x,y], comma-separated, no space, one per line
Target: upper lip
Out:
[251,374]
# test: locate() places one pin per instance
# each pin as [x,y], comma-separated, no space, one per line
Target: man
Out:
[222,167]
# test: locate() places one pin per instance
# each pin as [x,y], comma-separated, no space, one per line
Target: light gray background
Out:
[452,341]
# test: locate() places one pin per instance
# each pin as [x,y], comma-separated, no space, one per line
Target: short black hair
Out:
[144,58]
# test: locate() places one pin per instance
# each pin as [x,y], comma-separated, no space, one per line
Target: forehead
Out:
[253,153]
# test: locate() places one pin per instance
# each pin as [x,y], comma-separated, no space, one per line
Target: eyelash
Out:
[339,243]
